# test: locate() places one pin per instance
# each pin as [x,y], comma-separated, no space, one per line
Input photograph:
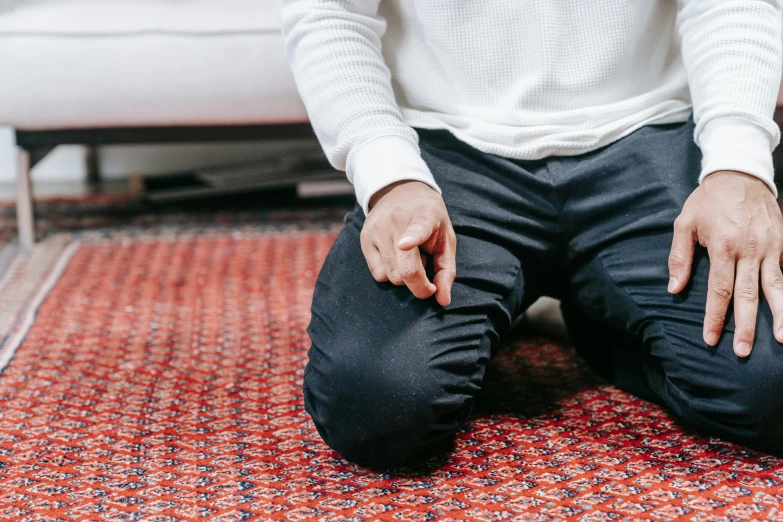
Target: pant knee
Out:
[382,416]
[747,407]
[370,447]
[762,403]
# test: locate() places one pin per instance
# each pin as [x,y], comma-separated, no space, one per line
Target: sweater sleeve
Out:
[732,53]
[334,48]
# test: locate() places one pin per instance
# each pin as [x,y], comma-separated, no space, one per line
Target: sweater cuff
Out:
[383,161]
[731,144]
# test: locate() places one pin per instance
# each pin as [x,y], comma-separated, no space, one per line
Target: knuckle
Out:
[408,271]
[368,234]
[748,295]
[721,291]
[776,281]
[682,224]
[750,245]
[398,216]
[375,267]
[676,259]
[428,217]
[368,249]
[422,227]
[727,245]
[715,319]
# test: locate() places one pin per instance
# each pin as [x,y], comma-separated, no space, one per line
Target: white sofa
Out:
[92,64]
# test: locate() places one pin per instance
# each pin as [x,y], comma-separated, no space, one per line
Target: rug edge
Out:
[25,316]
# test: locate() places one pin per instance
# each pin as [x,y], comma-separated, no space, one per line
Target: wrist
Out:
[739,147]
[384,161]
[733,180]
[388,188]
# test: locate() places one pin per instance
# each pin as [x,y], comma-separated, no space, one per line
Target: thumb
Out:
[681,255]
[417,233]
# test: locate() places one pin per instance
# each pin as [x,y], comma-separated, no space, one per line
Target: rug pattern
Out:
[162,377]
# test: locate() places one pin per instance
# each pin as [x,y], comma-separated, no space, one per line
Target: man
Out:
[505,149]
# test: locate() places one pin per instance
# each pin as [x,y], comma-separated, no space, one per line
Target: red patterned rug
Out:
[161,380]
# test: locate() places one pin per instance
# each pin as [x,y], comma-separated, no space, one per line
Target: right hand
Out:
[406,220]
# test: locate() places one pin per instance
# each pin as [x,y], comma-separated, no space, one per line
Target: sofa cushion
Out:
[95,17]
[85,63]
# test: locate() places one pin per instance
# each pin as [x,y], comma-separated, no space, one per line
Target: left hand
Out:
[735,216]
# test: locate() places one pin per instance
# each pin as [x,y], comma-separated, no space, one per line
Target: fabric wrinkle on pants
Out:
[390,377]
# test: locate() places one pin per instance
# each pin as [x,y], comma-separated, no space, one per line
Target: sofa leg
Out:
[93,164]
[24,203]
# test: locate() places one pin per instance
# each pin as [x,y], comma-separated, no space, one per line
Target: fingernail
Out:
[742,349]
[404,240]
[673,282]
[712,338]
[780,334]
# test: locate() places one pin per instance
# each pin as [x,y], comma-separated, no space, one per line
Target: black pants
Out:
[391,376]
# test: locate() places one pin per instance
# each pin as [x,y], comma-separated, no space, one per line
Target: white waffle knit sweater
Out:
[535,78]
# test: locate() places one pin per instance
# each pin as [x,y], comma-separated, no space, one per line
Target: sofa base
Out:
[34,145]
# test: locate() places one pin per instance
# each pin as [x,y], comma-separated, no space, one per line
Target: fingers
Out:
[681,255]
[374,261]
[772,284]
[408,221]
[446,269]
[411,261]
[746,304]
[389,256]
[719,290]
[411,271]
[444,280]
[740,223]
[419,232]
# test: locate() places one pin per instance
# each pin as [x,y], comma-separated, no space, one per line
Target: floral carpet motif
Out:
[161,380]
